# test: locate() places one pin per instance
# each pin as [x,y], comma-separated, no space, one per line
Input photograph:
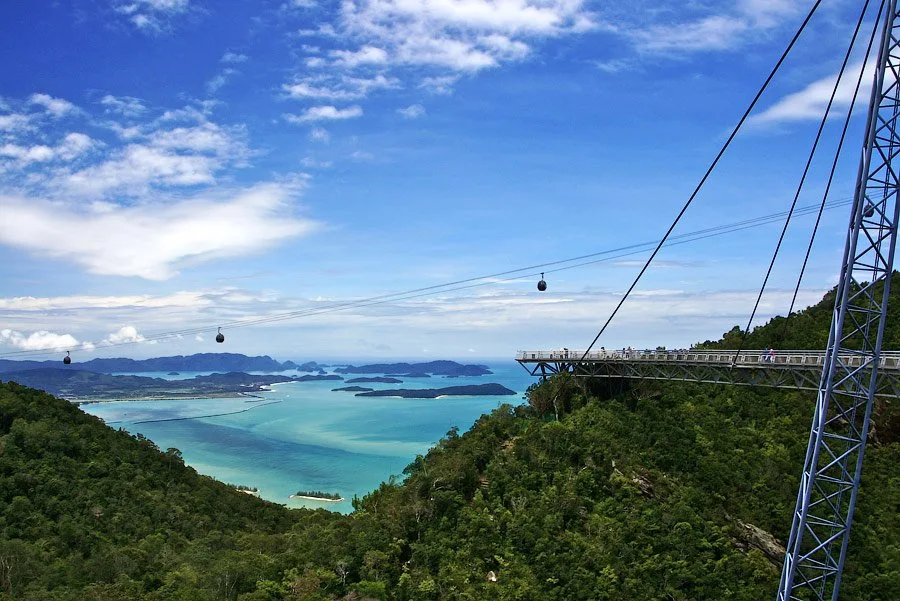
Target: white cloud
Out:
[25,155]
[343,87]
[74,145]
[810,102]
[612,65]
[14,122]
[205,137]
[152,240]
[65,304]
[150,15]
[41,340]
[462,36]
[767,13]
[55,106]
[319,134]
[218,81]
[504,47]
[126,334]
[71,147]
[324,30]
[187,155]
[709,33]
[126,133]
[413,111]
[233,57]
[325,113]
[311,163]
[139,168]
[441,84]
[123,105]
[362,155]
[304,89]
[367,55]
[727,27]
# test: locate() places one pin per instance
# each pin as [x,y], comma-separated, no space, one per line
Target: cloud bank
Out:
[153,240]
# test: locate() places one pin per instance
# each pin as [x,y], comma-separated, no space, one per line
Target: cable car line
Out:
[473,282]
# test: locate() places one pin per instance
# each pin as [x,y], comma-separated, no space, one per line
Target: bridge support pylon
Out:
[817,547]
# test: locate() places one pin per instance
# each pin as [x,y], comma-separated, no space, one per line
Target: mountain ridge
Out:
[197,362]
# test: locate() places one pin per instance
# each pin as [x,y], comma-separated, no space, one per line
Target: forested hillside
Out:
[649,491]
[808,329]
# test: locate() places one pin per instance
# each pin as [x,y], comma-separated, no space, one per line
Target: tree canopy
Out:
[648,490]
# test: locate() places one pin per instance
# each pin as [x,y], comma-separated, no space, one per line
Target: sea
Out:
[301,436]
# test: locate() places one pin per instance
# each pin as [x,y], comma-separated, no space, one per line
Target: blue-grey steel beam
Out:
[817,547]
[800,369]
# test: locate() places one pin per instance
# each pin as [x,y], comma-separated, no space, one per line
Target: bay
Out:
[303,436]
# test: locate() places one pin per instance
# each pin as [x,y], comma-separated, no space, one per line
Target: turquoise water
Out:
[303,436]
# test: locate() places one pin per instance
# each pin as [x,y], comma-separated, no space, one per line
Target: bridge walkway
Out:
[797,369]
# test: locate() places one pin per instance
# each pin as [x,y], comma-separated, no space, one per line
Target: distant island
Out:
[379,380]
[221,362]
[437,368]
[311,366]
[433,393]
[317,378]
[317,495]
[89,381]
[418,374]
[86,386]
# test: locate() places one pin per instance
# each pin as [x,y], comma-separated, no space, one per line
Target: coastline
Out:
[317,499]
[167,397]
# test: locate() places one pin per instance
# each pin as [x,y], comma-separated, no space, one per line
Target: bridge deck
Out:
[799,369]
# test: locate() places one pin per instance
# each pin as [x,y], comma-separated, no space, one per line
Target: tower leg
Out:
[820,531]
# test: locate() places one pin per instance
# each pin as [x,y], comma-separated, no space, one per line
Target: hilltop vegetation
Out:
[83,507]
[650,491]
[808,329]
[660,493]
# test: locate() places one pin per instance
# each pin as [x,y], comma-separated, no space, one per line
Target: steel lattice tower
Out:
[817,546]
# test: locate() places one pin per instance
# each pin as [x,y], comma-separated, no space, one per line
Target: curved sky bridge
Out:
[797,369]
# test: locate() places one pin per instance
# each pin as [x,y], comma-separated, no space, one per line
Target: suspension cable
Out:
[802,182]
[833,170]
[709,171]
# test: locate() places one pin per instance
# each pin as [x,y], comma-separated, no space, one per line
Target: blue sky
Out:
[171,165]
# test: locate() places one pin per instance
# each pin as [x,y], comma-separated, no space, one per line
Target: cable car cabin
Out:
[220,337]
[67,359]
[542,285]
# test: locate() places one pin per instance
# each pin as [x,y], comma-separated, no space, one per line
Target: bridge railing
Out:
[763,357]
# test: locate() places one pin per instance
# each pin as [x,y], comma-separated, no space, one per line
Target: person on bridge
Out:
[771,355]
